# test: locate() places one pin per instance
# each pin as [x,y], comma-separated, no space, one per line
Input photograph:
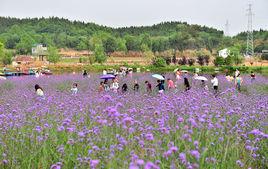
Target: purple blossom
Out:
[94,163]
[182,157]
[195,154]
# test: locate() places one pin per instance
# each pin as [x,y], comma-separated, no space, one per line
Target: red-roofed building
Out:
[22,60]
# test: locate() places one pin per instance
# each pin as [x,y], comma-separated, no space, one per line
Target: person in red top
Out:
[148,86]
[170,84]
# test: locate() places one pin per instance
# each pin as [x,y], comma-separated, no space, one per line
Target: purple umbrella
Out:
[108,76]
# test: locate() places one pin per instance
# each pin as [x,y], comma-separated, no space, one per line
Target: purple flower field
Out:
[134,130]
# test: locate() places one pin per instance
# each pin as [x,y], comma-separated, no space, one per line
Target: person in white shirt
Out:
[114,85]
[37,74]
[215,83]
[39,91]
[104,72]
[74,89]
[237,73]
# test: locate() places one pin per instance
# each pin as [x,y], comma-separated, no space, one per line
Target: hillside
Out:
[21,34]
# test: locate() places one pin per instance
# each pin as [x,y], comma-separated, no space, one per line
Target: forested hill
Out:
[167,28]
[50,25]
[55,24]
[21,34]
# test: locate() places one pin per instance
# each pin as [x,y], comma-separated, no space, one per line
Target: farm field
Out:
[112,60]
[177,129]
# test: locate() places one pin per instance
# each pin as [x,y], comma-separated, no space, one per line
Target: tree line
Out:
[21,34]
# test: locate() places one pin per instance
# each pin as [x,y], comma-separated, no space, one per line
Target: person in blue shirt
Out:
[161,87]
[238,82]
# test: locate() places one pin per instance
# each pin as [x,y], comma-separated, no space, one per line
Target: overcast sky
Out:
[119,13]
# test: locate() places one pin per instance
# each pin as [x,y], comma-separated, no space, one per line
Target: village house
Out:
[22,60]
[40,52]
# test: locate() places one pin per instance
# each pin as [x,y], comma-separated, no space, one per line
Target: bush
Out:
[201,60]
[91,60]
[219,61]
[206,58]
[7,58]
[183,61]
[159,62]
[191,62]
[82,60]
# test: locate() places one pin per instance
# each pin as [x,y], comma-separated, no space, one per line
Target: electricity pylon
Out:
[250,45]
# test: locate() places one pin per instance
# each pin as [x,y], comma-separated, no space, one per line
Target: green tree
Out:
[235,54]
[5,57]
[132,43]
[179,41]
[25,45]
[100,56]
[121,45]
[219,61]
[2,52]
[160,44]
[82,46]
[94,40]
[53,55]
[12,41]
[110,45]
[229,61]
[146,43]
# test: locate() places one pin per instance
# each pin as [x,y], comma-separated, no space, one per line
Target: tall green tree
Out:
[146,42]
[100,56]
[2,52]
[132,43]
[25,45]
[5,56]
[11,41]
[235,54]
[110,45]
[53,55]
[121,45]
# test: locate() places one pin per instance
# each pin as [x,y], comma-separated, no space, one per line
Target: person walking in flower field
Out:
[74,89]
[238,82]
[215,83]
[39,91]
[170,84]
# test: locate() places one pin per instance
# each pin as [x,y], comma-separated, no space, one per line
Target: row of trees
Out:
[21,34]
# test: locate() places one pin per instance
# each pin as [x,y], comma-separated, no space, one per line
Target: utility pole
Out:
[250,46]
[227,28]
